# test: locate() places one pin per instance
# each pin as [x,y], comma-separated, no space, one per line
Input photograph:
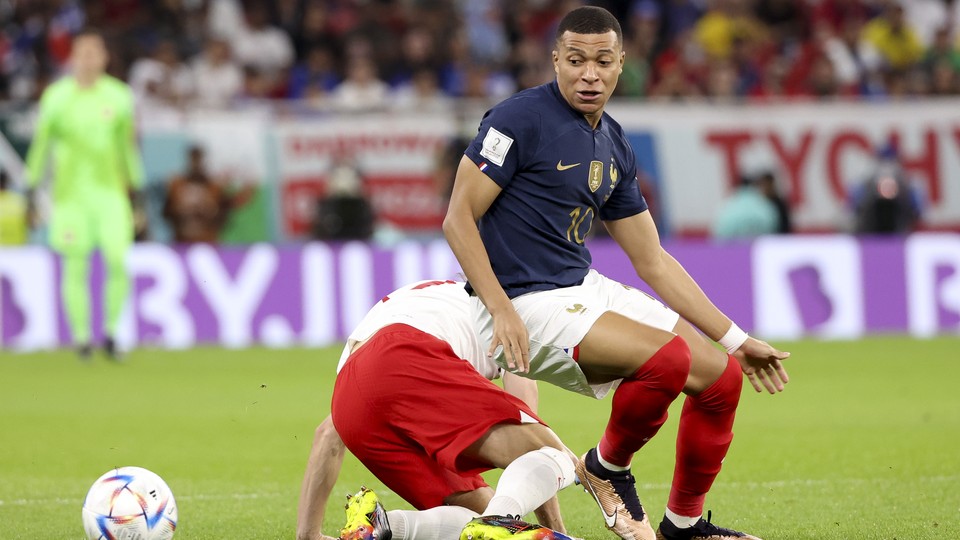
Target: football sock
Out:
[74,291]
[529,481]
[117,288]
[610,466]
[705,433]
[680,522]
[440,523]
[641,401]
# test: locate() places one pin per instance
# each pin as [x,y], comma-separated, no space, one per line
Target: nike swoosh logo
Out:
[610,519]
[562,167]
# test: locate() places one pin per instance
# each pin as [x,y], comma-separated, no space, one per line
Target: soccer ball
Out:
[129,503]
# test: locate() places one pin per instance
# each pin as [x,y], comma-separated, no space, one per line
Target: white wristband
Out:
[733,339]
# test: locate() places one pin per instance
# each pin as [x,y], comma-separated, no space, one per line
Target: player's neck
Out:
[593,119]
[86,80]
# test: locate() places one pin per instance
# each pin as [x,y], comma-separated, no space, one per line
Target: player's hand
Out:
[510,333]
[762,365]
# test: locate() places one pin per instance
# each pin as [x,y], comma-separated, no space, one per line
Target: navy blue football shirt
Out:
[558,175]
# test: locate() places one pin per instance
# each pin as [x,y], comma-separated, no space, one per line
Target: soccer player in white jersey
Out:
[414,403]
[545,164]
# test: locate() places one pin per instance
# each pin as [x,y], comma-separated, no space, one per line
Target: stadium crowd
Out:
[357,54]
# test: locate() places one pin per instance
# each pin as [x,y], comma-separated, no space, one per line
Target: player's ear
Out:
[556,61]
[623,56]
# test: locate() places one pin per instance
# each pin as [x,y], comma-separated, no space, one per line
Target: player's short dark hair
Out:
[590,20]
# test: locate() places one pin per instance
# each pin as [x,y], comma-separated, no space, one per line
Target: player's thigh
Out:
[114,227]
[505,442]
[417,478]
[617,346]
[72,229]
[409,382]
[707,362]
[476,500]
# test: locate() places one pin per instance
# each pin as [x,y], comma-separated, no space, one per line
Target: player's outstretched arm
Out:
[473,193]
[638,237]
[323,468]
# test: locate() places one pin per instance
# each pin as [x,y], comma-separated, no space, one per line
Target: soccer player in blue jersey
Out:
[545,164]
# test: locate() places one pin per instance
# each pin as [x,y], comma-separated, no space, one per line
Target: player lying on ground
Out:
[412,401]
[545,163]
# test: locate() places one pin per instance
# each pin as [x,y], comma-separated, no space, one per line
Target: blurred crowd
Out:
[418,54]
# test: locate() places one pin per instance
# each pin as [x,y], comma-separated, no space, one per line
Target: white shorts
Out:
[558,319]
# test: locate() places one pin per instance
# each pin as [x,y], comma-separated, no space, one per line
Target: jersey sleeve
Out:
[626,199]
[127,135]
[508,136]
[40,145]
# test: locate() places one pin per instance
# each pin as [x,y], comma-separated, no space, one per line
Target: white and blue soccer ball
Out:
[129,503]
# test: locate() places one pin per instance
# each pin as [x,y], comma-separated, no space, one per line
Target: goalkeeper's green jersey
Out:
[90,133]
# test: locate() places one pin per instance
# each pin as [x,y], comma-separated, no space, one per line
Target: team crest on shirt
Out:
[614,175]
[596,176]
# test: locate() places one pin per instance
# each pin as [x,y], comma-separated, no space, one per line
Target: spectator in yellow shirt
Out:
[897,45]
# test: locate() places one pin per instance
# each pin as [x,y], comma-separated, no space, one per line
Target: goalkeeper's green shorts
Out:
[79,227]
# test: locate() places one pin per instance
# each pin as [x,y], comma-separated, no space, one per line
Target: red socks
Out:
[640,403]
[706,430]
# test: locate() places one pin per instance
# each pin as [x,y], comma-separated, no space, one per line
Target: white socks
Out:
[440,523]
[531,480]
[682,522]
[610,466]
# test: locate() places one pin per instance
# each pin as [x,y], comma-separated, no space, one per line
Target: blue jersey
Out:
[557,174]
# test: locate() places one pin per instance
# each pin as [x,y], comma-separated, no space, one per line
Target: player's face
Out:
[588,67]
[88,57]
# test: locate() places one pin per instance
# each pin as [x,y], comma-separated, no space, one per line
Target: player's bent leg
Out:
[639,409]
[536,465]
[703,438]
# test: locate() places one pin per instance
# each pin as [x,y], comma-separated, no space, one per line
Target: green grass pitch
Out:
[864,444]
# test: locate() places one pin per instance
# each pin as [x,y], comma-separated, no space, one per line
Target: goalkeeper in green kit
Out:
[86,125]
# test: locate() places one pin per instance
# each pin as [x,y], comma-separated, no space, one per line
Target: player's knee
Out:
[115,262]
[724,393]
[561,463]
[669,366]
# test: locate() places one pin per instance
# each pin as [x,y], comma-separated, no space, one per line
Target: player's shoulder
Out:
[58,88]
[113,84]
[525,106]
